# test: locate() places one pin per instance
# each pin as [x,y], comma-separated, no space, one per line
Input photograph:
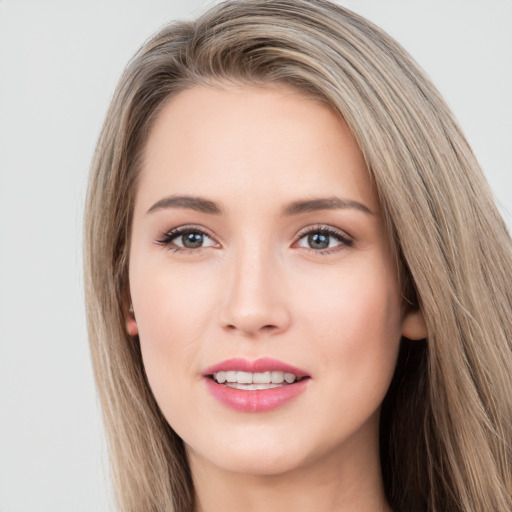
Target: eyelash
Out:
[344,239]
[167,238]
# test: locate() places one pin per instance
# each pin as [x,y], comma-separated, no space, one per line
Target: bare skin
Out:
[319,486]
[239,250]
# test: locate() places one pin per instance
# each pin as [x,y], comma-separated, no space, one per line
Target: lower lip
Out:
[260,400]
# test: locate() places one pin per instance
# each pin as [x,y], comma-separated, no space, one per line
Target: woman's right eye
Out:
[183,239]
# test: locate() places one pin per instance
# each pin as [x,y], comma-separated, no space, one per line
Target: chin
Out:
[258,466]
[262,458]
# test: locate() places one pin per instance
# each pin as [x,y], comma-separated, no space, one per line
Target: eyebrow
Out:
[188,202]
[327,203]
[202,205]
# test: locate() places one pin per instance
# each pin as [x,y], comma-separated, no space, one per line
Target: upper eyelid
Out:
[324,227]
[189,227]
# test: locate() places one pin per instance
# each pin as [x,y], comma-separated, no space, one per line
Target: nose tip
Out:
[255,302]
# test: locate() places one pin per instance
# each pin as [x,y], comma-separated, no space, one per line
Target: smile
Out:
[255,386]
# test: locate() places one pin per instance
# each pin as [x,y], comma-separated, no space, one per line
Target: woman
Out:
[298,283]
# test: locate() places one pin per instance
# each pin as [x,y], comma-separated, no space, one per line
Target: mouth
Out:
[255,386]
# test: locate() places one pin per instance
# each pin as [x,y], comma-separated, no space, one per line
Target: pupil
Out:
[318,241]
[192,240]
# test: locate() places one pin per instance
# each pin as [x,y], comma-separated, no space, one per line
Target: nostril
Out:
[269,328]
[254,317]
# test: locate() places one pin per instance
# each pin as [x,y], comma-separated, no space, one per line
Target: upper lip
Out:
[263,364]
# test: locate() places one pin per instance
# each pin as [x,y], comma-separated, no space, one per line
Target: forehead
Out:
[251,140]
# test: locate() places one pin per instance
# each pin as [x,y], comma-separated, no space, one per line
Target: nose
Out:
[255,299]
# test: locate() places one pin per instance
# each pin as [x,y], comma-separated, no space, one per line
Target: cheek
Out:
[169,300]
[354,324]
[353,330]
[366,292]
[173,312]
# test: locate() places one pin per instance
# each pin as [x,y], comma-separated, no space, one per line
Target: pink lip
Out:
[255,400]
[264,364]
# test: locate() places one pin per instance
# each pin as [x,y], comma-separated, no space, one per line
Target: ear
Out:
[131,324]
[413,325]
[129,315]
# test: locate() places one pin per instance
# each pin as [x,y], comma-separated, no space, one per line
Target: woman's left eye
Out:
[323,239]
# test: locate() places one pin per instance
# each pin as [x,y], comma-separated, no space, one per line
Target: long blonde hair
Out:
[446,426]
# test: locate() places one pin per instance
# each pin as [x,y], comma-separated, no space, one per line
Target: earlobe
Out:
[130,323]
[413,325]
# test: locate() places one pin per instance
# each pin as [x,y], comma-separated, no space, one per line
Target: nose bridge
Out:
[254,301]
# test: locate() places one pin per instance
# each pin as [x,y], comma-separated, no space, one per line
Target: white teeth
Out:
[253,387]
[264,378]
[289,377]
[244,377]
[277,377]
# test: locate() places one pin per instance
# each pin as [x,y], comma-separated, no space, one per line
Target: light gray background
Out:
[59,62]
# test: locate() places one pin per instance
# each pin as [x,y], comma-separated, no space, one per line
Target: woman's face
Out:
[258,247]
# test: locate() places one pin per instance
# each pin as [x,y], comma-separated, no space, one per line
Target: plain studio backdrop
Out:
[59,63]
